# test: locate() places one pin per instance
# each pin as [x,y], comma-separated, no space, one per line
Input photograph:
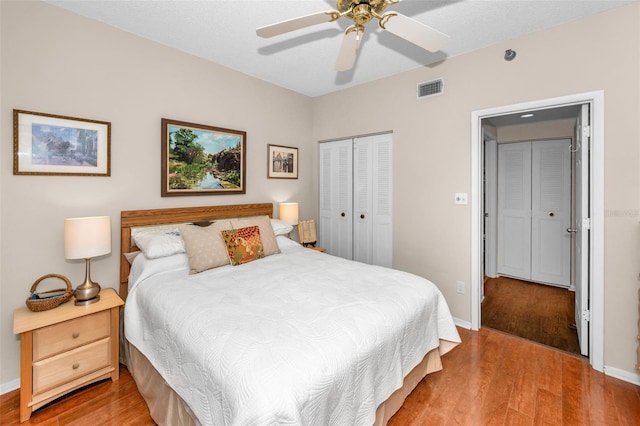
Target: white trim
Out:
[462,323]
[596,291]
[490,224]
[622,375]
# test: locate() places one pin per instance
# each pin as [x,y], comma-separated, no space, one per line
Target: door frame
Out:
[596,235]
[490,207]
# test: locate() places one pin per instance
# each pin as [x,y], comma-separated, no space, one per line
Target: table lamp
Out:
[84,238]
[288,213]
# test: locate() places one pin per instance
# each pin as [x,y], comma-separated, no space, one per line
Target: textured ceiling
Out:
[303,61]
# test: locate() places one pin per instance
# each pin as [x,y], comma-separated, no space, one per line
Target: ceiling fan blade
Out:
[297,23]
[349,49]
[416,32]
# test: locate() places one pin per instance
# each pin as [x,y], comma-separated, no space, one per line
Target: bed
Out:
[287,336]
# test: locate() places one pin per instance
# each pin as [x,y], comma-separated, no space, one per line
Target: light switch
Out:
[461,198]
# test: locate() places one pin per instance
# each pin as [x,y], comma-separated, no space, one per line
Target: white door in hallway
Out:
[514,209]
[534,211]
[551,212]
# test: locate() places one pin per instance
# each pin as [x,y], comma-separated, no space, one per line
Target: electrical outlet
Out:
[460,287]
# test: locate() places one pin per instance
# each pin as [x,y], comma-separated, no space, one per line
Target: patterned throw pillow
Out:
[243,245]
[269,243]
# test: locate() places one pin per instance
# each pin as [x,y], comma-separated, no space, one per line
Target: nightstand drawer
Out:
[67,366]
[62,337]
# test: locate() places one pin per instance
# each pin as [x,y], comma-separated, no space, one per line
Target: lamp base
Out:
[86,302]
[87,294]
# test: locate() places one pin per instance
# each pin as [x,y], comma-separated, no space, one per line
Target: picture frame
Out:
[50,144]
[282,162]
[199,159]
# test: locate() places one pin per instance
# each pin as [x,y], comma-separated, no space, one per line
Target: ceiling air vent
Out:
[430,88]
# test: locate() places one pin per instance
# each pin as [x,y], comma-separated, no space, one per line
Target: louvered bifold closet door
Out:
[514,209]
[373,237]
[534,211]
[336,202]
[551,212]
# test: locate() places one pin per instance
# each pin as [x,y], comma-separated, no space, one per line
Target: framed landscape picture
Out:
[202,160]
[282,162]
[48,144]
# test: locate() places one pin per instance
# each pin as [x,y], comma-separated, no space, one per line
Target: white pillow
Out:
[143,268]
[284,242]
[280,227]
[159,245]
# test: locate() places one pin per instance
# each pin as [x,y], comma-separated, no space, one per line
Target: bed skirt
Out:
[167,408]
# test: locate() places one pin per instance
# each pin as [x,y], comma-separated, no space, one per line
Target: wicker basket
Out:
[38,305]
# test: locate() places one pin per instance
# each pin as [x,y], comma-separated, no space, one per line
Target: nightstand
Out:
[320,249]
[65,348]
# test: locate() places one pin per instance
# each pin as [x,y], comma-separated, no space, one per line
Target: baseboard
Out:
[462,323]
[624,375]
[9,386]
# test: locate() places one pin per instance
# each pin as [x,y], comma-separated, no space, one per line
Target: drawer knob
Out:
[76,366]
[75,334]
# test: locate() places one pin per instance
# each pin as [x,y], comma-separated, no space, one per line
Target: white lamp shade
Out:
[86,237]
[288,213]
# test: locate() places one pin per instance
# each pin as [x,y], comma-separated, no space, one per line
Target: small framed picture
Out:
[202,160]
[282,162]
[48,144]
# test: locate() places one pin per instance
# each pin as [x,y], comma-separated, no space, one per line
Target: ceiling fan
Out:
[361,12]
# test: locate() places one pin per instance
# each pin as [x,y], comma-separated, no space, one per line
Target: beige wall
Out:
[56,62]
[432,151]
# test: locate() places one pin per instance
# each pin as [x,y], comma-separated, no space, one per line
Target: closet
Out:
[355,198]
[534,211]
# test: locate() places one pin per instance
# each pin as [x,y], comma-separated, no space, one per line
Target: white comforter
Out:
[300,338]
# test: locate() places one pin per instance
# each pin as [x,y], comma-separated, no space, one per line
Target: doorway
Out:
[527,281]
[590,272]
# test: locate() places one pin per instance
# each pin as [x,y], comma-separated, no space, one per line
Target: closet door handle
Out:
[343,214]
[362,216]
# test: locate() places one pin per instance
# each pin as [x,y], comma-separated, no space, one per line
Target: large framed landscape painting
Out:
[202,160]
[49,144]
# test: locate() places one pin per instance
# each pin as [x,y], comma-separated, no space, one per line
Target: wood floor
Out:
[490,379]
[538,312]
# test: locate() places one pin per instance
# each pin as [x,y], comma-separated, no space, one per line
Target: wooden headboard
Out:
[134,218]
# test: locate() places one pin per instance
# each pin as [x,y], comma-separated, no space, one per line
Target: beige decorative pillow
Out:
[269,243]
[243,245]
[204,246]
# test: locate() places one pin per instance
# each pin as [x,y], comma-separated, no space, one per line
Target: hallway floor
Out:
[537,312]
